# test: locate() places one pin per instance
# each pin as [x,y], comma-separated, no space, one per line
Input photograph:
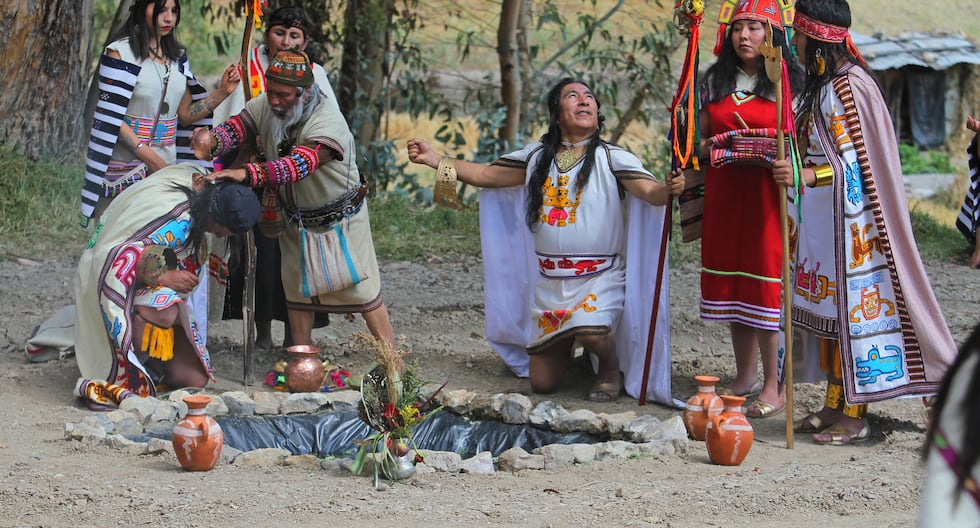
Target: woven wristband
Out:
[445,191]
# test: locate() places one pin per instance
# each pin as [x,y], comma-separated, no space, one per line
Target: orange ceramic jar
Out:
[197,438]
[702,407]
[729,435]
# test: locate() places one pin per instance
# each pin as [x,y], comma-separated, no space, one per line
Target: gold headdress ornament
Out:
[779,12]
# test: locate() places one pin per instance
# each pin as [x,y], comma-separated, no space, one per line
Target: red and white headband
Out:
[817,30]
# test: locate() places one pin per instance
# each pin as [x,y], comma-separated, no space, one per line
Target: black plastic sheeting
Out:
[333,434]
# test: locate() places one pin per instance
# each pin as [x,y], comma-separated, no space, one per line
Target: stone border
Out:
[625,435]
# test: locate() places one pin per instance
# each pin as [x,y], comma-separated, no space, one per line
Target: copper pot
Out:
[304,371]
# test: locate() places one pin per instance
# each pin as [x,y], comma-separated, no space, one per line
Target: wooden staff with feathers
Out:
[253,18]
[688,15]
[775,67]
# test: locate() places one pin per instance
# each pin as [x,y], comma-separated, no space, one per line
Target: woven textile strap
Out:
[322,217]
[952,459]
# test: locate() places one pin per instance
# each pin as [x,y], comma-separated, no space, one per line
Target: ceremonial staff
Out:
[253,13]
[773,56]
[684,144]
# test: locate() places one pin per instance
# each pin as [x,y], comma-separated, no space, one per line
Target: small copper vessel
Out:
[304,371]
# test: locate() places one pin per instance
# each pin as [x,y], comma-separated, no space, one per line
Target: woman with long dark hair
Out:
[147,94]
[135,331]
[741,248]
[861,290]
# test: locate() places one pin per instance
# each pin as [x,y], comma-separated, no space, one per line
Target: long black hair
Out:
[551,141]
[968,410]
[139,35]
[202,214]
[720,77]
[834,54]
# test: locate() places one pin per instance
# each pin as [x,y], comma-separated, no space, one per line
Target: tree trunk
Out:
[44,53]
[362,67]
[510,80]
[524,29]
[639,99]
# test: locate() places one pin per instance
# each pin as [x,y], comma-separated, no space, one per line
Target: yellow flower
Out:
[410,414]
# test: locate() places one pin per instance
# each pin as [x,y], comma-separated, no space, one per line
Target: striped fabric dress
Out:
[741,244]
[969,215]
[130,90]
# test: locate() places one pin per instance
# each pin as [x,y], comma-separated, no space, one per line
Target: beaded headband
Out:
[290,22]
[817,30]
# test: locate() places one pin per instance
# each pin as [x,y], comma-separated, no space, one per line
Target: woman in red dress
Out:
[741,244]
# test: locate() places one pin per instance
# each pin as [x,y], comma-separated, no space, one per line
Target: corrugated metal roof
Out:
[937,52]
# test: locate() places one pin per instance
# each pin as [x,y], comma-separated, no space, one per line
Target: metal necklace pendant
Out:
[165,81]
[565,158]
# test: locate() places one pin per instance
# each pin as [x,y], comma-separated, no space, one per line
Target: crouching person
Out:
[133,329]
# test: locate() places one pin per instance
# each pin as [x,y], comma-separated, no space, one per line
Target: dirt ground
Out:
[46,480]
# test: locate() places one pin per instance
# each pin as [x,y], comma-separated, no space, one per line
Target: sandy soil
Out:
[437,306]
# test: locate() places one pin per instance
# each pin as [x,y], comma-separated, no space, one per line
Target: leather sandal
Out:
[838,435]
[755,389]
[607,391]
[761,409]
[810,424]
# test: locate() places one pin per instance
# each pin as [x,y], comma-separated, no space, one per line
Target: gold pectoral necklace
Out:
[565,157]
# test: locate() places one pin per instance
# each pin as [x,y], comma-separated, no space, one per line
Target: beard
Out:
[287,120]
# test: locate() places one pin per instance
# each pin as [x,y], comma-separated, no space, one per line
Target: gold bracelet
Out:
[445,190]
[824,175]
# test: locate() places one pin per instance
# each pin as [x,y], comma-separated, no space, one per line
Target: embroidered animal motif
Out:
[173,233]
[852,179]
[552,320]
[877,365]
[861,245]
[870,306]
[563,209]
[113,327]
[838,131]
[806,280]
[588,266]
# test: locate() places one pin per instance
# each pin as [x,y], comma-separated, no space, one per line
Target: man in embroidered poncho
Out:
[328,258]
[554,250]
[860,285]
[286,28]
[134,329]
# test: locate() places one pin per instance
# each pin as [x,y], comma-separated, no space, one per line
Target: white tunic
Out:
[527,306]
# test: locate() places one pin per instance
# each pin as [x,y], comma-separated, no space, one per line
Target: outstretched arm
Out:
[476,174]
[654,192]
